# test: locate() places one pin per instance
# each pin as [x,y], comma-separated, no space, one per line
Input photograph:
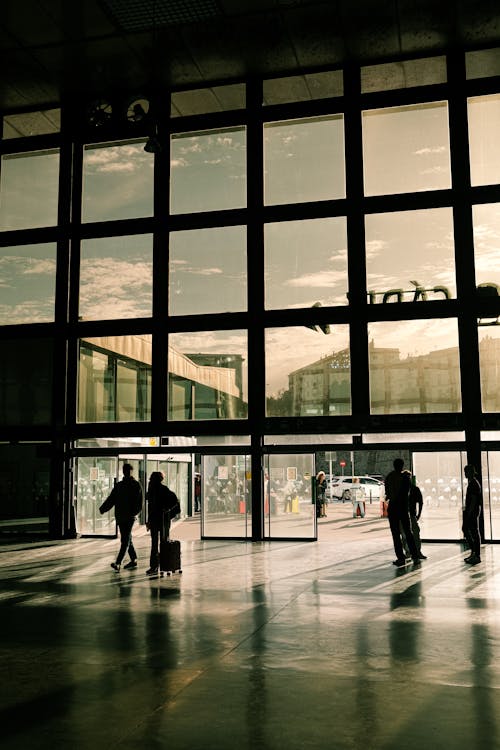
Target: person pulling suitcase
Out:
[163,505]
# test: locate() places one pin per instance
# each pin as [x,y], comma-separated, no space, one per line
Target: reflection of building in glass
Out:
[489,357]
[322,388]
[115,382]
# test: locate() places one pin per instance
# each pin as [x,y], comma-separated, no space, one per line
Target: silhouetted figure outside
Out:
[126,498]
[163,505]
[320,494]
[472,511]
[397,491]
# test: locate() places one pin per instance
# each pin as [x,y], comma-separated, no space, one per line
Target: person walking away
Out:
[320,494]
[472,512]
[397,490]
[126,498]
[163,505]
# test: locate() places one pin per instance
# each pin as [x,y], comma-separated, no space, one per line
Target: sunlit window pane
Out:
[27,283]
[208,171]
[306,263]
[114,379]
[414,367]
[26,382]
[116,277]
[406,149]
[208,270]
[486,219]
[489,362]
[29,188]
[304,160]
[117,182]
[207,375]
[410,256]
[484,144]
[308,372]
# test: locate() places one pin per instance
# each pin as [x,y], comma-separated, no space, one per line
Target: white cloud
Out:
[320,279]
[427,150]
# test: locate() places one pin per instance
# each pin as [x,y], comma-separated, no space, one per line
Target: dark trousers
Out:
[125,529]
[401,515]
[471,533]
[155,529]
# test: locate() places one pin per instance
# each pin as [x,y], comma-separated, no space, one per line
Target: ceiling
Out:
[53,48]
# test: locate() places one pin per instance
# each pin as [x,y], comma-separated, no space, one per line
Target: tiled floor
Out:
[282,645]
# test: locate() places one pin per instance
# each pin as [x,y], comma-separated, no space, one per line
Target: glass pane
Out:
[117,182]
[95,477]
[441,481]
[483,63]
[208,171]
[29,189]
[289,503]
[114,379]
[176,472]
[414,367]
[26,382]
[489,365]
[27,281]
[484,145]
[404,74]
[24,489]
[226,499]
[406,149]
[410,256]
[308,373]
[303,88]
[486,218]
[116,276]
[32,123]
[208,271]
[490,470]
[304,160]
[306,263]
[202,101]
[207,376]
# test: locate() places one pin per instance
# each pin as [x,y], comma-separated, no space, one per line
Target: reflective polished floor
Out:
[265,645]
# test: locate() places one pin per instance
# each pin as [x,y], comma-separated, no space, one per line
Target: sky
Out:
[405,149]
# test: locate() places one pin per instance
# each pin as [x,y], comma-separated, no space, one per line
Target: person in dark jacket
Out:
[397,491]
[163,505]
[472,512]
[126,498]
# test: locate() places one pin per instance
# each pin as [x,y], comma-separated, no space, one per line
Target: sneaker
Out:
[130,565]
[116,567]
[421,556]
[151,571]
[416,561]
[473,560]
[400,562]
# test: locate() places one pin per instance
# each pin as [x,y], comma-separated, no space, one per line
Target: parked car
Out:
[373,488]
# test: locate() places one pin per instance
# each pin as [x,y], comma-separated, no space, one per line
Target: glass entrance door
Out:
[95,477]
[289,497]
[226,496]
[440,476]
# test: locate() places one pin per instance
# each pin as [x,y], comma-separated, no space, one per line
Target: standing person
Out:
[397,490]
[415,505]
[358,499]
[126,498]
[472,511]
[320,494]
[197,493]
[163,505]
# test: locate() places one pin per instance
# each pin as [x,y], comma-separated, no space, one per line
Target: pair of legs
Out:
[126,544]
[155,529]
[399,518]
[415,530]
[471,533]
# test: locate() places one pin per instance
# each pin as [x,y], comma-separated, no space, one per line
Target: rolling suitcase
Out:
[170,556]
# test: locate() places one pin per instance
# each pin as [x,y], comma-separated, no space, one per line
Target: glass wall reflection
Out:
[406,149]
[489,363]
[308,372]
[486,220]
[484,146]
[441,480]
[410,256]
[116,277]
[27,281]
[226,496]
[414,367]
[208,271]
[29,188]
[306,263]
[289,501]
[304,160]
[208,170]
[207,375]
